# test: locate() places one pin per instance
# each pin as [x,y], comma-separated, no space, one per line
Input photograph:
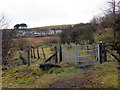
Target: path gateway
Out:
[81,54]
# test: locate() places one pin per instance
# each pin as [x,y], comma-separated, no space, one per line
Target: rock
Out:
[46,66]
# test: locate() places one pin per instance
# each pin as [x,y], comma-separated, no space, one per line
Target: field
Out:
[37,41]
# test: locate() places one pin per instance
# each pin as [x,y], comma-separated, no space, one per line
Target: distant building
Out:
[38,33]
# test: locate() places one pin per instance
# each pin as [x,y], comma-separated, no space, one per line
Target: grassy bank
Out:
[103,75]
[34,77]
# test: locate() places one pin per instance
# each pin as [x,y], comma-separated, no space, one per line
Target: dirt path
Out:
[86,80]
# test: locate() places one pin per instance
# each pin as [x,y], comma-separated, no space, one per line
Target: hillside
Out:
[53,27]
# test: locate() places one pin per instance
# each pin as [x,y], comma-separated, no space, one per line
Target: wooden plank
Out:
[118,59]
[50,58]
[60,53]
[43,53]
[38,53]
[56,57]
[34,53]
[31,52]
[105,53]
[28,50]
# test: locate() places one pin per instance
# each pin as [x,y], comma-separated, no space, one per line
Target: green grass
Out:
[15,57]
[37,78]
[106,74]
[17,76]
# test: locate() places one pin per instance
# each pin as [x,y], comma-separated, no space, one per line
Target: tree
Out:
[111,19]
[113,11]
[17,26]
[80,33]
[3,22]
[22,26]
[65,36]
[7,35]
[74,36]
[5,40]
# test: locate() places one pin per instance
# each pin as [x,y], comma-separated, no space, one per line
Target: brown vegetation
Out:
[35,41]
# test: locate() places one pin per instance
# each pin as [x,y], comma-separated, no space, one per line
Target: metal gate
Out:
[80,53]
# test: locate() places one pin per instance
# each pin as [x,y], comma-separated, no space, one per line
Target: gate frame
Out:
[97,51]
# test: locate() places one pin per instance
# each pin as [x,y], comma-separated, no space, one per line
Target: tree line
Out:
[84,32]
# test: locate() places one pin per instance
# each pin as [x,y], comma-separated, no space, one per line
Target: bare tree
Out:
[7,35]
[3,22]
[113,11]
[4,50]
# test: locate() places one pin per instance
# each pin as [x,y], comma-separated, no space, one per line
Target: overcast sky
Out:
[36,13]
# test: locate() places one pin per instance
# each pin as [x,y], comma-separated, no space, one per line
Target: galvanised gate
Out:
[80,53]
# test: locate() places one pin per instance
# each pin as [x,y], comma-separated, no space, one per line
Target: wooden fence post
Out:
[24,61]
[94,46]
[100,53]
[28,50]
[60,53]
[38,53]
[43,53]
[105,53]
[31,52]
[34,53]
[56,58]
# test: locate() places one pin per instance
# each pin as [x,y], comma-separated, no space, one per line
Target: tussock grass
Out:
[105,75]
[108,74]
[18,77]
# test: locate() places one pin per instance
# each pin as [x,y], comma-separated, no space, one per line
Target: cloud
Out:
[47,12]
